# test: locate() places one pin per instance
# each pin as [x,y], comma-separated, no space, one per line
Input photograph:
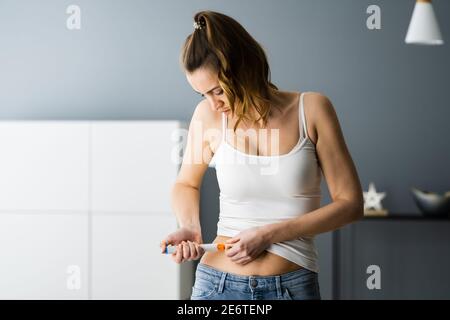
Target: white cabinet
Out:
[83,207]
[132,166]
[43,256]
[127,263]
[44,192]
[44,165]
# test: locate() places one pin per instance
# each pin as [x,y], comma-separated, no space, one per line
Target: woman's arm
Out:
[185,195]
[339,171]
[185,205]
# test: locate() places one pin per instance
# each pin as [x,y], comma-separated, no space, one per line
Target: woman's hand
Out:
[187,241]
[248,245]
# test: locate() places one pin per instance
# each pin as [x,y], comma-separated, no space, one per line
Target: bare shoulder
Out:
[319,112]
[206,115]
[210,121]
[202,112]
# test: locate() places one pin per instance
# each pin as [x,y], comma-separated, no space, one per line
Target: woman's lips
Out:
[223,109]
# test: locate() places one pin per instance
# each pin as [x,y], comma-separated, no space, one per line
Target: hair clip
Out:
[198,25]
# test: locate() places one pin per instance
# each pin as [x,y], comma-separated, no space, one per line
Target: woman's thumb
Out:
[232,240]
[170,239]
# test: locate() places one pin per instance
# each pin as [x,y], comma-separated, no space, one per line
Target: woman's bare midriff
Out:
[266,264]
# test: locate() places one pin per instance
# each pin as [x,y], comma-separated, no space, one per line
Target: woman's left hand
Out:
[247,245]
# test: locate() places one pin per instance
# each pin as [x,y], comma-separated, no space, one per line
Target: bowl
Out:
[431,203]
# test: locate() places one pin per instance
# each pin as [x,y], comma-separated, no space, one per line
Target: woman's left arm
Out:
[343,185]
[339,172]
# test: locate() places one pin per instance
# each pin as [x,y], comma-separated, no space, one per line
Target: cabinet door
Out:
[394,259]
[44,166]
[127,262]
[134,166]
[43,256]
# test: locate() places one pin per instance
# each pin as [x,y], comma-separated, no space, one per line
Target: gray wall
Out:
[123,64]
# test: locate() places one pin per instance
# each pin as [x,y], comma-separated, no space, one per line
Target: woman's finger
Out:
[179,253]
[193,250]
[247,260]
[233,250]
[239,259]
[232,240]
[186,251]
[200,250]
[174,256]
[163,245]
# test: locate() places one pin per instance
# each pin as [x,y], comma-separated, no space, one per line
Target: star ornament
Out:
[372,199]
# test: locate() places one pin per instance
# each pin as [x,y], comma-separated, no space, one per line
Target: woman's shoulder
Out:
[320,112]
[315,97]
[209,122]
[204,113]
[311,99]
[317,104]
[318,109]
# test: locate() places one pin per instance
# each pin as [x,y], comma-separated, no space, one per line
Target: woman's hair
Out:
[222,44]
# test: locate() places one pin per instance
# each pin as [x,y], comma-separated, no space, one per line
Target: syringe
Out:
[205,246]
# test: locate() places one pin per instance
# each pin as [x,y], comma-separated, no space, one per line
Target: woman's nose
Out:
[216,104]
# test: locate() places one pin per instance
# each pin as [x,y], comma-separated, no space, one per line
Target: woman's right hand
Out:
[187,241]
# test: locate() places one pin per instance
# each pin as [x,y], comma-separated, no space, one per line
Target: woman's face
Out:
[205,82]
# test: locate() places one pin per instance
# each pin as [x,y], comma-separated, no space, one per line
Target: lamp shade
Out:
[423,28]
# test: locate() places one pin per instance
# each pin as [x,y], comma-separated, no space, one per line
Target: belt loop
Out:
[222,282]
[278,285]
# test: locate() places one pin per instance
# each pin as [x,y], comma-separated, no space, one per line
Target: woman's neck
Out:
[278,101]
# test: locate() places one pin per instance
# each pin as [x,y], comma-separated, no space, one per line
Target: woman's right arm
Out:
[185,195]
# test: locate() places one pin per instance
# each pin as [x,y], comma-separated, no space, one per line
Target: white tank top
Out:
[258,190]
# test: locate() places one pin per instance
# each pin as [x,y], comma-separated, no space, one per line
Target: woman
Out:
[269,192]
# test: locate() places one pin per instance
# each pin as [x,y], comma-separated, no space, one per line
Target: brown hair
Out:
[221,43]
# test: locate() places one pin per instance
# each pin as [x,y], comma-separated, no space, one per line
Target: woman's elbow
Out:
[354,207]
[357,208]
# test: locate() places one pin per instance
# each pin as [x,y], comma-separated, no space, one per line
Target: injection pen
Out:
[205,246]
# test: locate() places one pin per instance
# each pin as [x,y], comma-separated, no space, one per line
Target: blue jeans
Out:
[213,284]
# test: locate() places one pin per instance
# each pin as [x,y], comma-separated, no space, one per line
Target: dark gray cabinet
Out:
[412,253]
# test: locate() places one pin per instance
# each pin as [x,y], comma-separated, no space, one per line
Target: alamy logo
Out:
[74,278]
[197,153]
[374,280]
[373,22]
[74,20]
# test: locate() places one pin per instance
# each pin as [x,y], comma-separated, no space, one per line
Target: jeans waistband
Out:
[272,282]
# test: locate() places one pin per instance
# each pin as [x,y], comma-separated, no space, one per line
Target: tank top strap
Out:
[224,127]
[302,115]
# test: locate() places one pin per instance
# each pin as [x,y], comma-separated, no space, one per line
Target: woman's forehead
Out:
[202,80]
